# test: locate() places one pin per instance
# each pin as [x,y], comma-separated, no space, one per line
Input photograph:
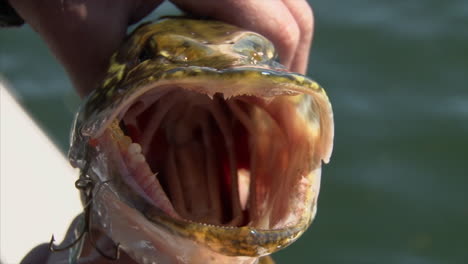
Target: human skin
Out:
[83,34]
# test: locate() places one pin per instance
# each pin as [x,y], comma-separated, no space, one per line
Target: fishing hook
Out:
[86,185]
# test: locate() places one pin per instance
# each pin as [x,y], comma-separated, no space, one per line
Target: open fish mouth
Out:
[197,158]
[205,153]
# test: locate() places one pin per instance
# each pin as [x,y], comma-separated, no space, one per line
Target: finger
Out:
[303,15]
[271,18]
[81,34]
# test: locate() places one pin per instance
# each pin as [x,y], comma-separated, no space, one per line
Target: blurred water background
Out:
[396,190]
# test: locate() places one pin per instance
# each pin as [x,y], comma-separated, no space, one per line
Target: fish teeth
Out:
[138,158]
[134,149]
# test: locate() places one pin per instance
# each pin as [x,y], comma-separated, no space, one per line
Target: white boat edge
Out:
[37,194]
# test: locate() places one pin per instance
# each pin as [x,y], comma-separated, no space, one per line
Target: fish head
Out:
[202,145]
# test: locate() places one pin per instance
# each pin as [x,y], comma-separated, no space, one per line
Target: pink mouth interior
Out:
[215,161]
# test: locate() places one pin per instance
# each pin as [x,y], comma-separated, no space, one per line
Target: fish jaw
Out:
[264,233]
[146,242]
[149,235]
[155,243]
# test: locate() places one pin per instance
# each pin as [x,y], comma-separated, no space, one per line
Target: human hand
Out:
[83,34]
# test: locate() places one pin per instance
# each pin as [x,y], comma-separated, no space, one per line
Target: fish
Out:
[199,146]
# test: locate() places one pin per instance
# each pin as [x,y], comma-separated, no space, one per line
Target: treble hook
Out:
[85,184]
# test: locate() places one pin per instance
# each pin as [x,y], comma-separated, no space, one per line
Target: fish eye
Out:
[145,54]
[255,47]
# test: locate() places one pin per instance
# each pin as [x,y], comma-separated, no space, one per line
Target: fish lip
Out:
[287,83]
[241,241]
[91,121]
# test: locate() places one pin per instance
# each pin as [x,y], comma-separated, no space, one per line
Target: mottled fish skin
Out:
[193,52]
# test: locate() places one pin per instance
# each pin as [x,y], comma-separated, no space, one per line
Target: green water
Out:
[396,190]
